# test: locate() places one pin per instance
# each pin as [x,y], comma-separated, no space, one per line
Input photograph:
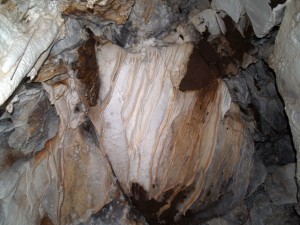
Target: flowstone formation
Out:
[146,112]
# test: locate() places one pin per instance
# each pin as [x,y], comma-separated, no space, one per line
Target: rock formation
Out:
[148,112]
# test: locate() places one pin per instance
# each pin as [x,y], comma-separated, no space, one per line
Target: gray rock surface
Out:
[143,112]
[285,63]
[281,185]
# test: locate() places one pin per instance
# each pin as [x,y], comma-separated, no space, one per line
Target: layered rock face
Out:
[139,112]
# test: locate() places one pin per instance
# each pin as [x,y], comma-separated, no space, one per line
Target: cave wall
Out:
[284,60]
[163,109]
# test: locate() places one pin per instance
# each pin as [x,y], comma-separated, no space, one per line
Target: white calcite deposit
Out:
[160,137]
[130,104]
[25,43]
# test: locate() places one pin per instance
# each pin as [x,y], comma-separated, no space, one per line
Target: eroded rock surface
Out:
[143,112]
[284,61]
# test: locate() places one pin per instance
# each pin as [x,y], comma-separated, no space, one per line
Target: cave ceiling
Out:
[149,112]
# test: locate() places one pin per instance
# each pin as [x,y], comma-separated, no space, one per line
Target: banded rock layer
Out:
[126,103]
[159,143]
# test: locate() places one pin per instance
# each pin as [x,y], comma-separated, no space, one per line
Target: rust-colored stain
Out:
[203,68]
[76,179]
[46,220]
[11,157]
[87,71]
[41,155]
[192,159]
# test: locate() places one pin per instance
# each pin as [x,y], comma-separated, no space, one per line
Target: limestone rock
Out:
[233,8]
[281,185]
[284,61]
[262,17]
[25,45]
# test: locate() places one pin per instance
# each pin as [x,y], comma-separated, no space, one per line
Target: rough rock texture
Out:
[69,171]
[284,61]
[141,112]
[161,157]
[108,10]
[117,212]
[262,16]
[281,185]
[162,144]
[26,39]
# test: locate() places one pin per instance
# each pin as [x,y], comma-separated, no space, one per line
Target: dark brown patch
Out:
[236,41]
[211,57]
[203,68]
[170,213]
[249,32]
[274,3]
[231,27]
[11,158]
[229,24]
[46,220]
[4,1]
[150,207]
[87,71]
[233,46]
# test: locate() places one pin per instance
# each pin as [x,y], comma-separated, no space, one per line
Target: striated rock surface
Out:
[26,39]
[66,182]
[161,144]
[142,112]
[162,140]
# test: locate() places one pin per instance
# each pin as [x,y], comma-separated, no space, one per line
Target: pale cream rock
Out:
[70,171]
[207,19]
[157,136]
[262,17]
[285,62]
[26,46]
[233,8]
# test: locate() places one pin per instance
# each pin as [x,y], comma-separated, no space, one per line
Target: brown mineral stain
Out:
[11,158]
[50,70]
[237,42]
[150,207]
[230,48]
[40,155]
[203,68]
[87,71]
[211,57]
[46,220]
